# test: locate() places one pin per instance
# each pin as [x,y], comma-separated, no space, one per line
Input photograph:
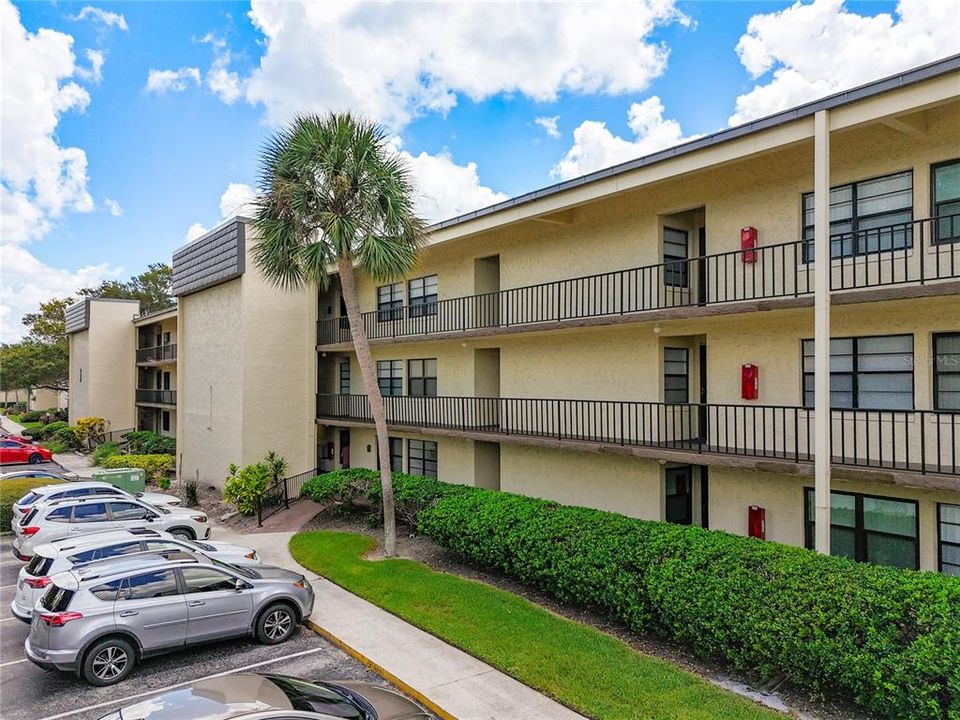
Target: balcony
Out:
[912,447]
[157,355]
[156,397]
[887,260]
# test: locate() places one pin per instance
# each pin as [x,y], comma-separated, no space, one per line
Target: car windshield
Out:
[245,572]
[323,699]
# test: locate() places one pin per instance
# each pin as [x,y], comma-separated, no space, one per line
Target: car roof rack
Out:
[169,554]
[135,562]
[93,538]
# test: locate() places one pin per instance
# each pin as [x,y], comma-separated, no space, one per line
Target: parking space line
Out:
[7,587]
[128,698]
[14,662]
[10,618]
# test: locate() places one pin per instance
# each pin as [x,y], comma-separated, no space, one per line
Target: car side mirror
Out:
[239,584]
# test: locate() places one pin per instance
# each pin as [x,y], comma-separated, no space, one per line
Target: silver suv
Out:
[101,619]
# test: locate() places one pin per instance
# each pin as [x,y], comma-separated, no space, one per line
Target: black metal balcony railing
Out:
[918,252]
[157,397]
[913,440]
[157,353]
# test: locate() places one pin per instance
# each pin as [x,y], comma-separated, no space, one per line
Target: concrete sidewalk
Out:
[456,684]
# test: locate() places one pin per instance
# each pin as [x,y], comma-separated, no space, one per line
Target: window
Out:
[165,420]
[679,495]
[200,580]
[107,591]
[422,457]
[873,373]
[865,217]
[948,534]
[166,338]
[61,514]
[345,376]
[422,377]
[396,454]
[945,187]
[94,512]
[423,296]
[161,583]
[105,552]
[128,511]
[390,302]
[675,254]
[946,371]
[390,377]
[676,375]
[160,545]
[869,529]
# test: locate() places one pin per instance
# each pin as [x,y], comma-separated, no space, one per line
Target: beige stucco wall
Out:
[246,376]
[209,397]
[104,355]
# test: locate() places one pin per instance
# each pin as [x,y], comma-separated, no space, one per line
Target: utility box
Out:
[133,480]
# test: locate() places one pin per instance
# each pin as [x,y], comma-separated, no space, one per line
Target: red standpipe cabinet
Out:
[757,522]
[749,382]
[748,244]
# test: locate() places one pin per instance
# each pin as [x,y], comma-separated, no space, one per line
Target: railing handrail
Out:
[281,488]
[154,347]
[876,438]
[333,330]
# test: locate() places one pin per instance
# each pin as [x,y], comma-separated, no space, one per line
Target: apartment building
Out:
[123,364]
[156,361]
[641,339]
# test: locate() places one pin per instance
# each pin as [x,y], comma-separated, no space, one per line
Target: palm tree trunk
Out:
[368,372]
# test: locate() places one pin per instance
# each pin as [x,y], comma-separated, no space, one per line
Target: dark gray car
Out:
[251,696]
[100,620]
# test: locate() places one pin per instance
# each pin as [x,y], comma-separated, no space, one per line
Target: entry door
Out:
[679,494]
[702,412]
[344,448]
[215,608]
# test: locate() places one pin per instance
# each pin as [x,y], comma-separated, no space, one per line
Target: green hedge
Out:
[888,638]
[155,465]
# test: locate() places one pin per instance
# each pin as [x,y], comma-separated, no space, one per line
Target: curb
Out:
[380,670]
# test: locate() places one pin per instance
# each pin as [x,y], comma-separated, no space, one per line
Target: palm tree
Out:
[331,190]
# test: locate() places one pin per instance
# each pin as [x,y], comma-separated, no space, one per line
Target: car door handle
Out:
[129,613]
[196,603]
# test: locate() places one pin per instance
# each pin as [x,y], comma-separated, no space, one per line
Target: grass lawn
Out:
[594,673]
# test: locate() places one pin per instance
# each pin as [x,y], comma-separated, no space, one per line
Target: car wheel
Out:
[35,458]
[276,624]
[183,534]
[108,662]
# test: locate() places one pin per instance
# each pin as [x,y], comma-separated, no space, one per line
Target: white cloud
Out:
[819,48]
[113,207]
[549,125]
[446,189]
[40,178]
[162,81]
[27,281]
[110,19]
[236,200]
[595,147]
[94,73]
[396,61]
[222,82]
[194,231]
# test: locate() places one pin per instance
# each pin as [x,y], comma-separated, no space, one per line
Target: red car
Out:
[15,451]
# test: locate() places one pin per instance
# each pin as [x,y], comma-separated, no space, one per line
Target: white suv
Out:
[47,522]
[62,555]
[63,491]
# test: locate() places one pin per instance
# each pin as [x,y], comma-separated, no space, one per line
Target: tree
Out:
[151,287]
[332,191]
[46,345]
[30,364]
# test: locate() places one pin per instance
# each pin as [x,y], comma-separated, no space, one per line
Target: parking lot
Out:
[29,693]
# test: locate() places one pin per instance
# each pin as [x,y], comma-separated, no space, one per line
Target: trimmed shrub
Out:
[360,488]
[190,488]
[146,442]
[31,416]
[887,638]
[48,430]
[156,466]
[90,429]
[102,452]
[244,485]
[68,438]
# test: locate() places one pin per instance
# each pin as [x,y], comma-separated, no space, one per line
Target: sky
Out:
[129,128]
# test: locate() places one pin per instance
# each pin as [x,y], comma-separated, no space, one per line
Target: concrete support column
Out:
[821,222]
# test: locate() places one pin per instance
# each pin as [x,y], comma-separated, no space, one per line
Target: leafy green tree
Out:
[333,192]
[31,364]
[152,288]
